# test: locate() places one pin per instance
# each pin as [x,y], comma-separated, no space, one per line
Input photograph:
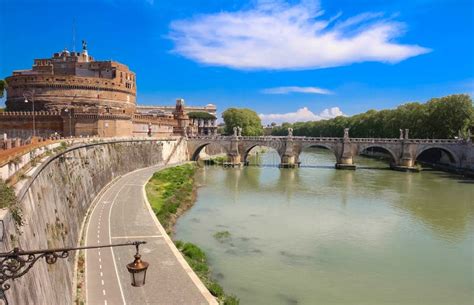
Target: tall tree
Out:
[245,118]
[3,86]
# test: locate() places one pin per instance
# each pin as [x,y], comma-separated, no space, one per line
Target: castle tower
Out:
[181,118]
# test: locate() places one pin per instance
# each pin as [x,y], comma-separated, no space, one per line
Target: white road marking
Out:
[138,236]
[99,252]
[87,238]
[112,249]
[105,302]
[100,260]
[101,274]
[100,266]
[102,282]
[103,292]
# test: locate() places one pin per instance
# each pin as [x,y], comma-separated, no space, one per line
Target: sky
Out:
[287,60]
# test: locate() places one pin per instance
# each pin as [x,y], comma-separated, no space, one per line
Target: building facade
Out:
[72,94]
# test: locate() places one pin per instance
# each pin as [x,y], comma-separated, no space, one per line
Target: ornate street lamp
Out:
[137,270]
[16,263]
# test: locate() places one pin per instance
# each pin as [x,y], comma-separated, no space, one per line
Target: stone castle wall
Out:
[54,202]
[20,124]
[53,92]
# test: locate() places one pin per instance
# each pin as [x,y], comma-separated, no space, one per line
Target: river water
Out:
[317,235]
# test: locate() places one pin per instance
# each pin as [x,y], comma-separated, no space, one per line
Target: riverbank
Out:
[171,192]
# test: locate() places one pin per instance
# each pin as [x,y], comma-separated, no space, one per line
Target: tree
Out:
[449,115]
[245,118]
[3,86]
[438,118]
[201,115]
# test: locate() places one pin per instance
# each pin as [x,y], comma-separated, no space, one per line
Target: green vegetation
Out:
[220,160]
[3,86]
[222,236]
[440,118]
[245,118]
[170,189]
[201,115]
[9,201]
[196,258]
[7,195]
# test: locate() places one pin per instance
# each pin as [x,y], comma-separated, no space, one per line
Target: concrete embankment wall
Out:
[55,200]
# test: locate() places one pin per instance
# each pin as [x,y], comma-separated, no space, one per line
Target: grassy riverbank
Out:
[171,192]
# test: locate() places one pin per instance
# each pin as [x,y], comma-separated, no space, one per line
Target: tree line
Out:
[441,118]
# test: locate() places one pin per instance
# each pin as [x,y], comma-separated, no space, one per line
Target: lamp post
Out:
[32,96]
[70,128]
[16,263]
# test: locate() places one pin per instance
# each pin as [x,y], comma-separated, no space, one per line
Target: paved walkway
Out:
[122,214]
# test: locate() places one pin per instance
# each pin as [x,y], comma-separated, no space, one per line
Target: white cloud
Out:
[290,89]
[276,35]
[301,115]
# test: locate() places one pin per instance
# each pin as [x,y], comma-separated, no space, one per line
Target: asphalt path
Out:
[122,214]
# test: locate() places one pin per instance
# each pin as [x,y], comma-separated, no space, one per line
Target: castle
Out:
[71,94]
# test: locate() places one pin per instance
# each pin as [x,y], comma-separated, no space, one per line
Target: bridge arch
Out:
[318,145]
[196,149]
[393,156]
[247,150]
[453,157]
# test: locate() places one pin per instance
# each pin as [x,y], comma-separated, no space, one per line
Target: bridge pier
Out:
[406,164]
[233,160]
[288,161]
[346,161]
[407,161]
[289,158]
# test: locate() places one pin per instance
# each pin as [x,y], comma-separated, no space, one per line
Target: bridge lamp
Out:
[137,270]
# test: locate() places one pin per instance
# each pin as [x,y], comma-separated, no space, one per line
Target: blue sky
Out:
[289,60]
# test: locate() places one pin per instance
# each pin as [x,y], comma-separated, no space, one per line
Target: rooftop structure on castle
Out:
[73,80]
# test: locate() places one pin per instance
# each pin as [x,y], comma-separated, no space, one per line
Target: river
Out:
[317,235]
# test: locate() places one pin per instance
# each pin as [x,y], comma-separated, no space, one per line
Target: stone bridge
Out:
[403,151]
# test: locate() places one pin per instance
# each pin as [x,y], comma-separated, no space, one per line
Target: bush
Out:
[7,195]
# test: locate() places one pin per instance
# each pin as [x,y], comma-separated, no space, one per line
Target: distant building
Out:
[74,95]
[209,108]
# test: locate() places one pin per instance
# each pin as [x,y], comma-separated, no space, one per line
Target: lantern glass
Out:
[137,271]
[138,278]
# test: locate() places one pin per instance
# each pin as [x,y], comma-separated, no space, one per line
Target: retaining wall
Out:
[55,199]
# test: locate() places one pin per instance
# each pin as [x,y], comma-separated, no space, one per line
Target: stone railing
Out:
[330,139]
[29,113]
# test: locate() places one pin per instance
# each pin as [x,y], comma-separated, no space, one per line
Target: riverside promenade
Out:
[122,213]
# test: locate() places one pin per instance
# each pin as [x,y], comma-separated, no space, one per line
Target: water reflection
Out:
[325,236]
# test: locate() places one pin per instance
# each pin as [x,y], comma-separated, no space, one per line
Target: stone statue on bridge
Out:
[401,134]
[235,132]
[290,132]
[346,133]
[239,131]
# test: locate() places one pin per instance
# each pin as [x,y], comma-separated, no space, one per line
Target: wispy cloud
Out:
[276,35]
[291,89]
[301,115]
